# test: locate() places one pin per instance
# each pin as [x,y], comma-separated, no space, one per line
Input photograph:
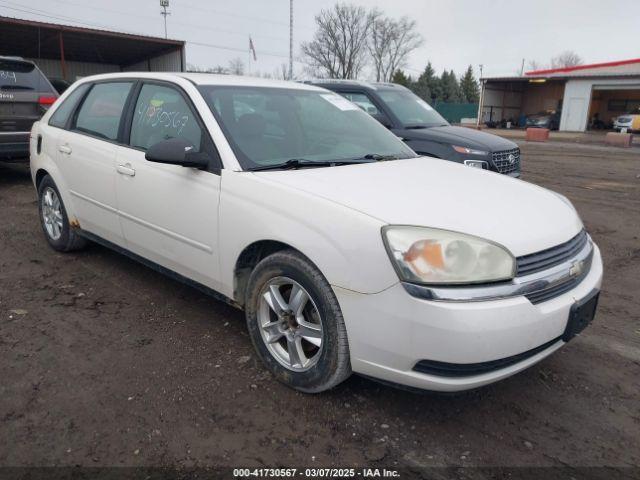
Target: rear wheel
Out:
[296,324]
[54,219]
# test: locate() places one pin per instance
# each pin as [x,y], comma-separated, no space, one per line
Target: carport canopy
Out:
[31,39]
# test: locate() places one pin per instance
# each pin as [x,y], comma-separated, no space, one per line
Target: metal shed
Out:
[68,52]
[581,95]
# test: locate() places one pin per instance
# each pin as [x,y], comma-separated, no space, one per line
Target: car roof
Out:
[208,79]
[13,58]
[331,83]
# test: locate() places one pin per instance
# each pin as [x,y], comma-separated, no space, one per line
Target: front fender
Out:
[344,244]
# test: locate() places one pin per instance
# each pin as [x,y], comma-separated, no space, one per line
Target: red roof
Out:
[583,67]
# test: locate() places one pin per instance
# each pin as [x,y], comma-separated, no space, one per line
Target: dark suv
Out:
[424,130]
[25,94]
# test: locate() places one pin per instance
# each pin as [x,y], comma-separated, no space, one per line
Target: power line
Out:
[174,22]
[43,13]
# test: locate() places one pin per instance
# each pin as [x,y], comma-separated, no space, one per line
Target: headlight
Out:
[429,255]
[469,151]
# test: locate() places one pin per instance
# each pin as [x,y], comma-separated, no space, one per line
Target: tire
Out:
[326,360]
[60,236]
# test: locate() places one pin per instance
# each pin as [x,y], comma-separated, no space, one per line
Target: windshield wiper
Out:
[301,163]
[420,126]
[378,157]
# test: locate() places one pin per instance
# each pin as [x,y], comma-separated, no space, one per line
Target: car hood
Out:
[462,136]
[435,193]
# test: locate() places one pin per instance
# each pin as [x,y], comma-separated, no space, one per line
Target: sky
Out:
[498,34]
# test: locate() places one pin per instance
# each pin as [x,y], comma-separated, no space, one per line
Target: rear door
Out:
[87,156]
[25,94]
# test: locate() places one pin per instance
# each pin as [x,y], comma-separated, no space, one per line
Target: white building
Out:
[579,94]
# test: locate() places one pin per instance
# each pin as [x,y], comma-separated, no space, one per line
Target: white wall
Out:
[168,62]
[577,99]
[505,104]
[75,70]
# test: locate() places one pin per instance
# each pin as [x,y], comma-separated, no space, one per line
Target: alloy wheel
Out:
[52,213]
[290,324]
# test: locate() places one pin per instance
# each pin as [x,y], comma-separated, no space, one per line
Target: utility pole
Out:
[522,68]
[290,39]
[481,66]
[165,4]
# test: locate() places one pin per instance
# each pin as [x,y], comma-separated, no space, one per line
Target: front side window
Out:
[61,115]
[101,110]
[268,126]
[410,109]
[162,113]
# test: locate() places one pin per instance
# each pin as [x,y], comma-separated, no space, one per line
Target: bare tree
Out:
[568,58]
[282,72]
[198,69]
[390,43]
[535,65]
[236,66]
[339,46]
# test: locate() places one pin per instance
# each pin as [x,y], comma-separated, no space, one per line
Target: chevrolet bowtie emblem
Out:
[576,268]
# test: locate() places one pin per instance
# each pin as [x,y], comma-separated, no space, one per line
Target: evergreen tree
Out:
[427,84]
[450,87]
[401,78]
[469,90]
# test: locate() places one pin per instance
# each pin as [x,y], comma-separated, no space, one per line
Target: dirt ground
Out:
[105,362]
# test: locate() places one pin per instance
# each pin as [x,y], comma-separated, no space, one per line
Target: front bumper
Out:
[391,331]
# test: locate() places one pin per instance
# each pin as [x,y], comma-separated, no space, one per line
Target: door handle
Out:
[65,149]
[126,170]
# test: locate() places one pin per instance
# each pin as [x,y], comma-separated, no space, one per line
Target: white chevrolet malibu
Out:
[347,252]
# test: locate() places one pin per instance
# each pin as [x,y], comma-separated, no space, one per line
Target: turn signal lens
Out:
[427,255]
[469,151]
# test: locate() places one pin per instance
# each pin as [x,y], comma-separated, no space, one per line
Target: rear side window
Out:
[101,110]
[61,115]
[18,75]
[162,113]
[363,101]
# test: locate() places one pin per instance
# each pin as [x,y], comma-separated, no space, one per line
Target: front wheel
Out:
[295,323]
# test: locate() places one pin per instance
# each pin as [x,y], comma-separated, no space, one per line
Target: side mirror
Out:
[176,151]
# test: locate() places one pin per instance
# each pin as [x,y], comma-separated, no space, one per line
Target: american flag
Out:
[252,49]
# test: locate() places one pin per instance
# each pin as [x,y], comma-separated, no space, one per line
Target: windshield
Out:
[270,126]
[410,109]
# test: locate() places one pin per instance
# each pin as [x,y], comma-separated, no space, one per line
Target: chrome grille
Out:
[507,161]
[551,257]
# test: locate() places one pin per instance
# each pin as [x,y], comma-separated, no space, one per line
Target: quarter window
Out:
[61,115]
[162,113]
[101,110]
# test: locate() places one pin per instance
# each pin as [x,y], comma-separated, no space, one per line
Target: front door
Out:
[168,213]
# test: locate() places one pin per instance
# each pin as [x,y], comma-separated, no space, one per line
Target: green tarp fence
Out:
[453,112]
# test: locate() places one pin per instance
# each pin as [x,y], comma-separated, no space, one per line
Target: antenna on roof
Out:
[165,4]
